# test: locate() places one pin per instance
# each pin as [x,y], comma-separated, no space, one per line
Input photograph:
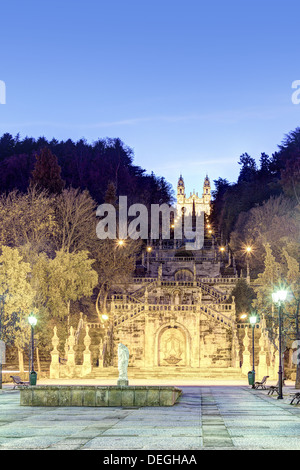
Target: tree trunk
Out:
[68,310]
[21,361]
[297,383]
[38,360]
[98,300]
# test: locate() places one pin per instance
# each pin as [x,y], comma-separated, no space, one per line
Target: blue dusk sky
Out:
[188,85]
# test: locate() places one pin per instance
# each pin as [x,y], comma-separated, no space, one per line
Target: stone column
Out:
[54,366]
[21,361]
[233,307]
[100,357]
[262,368]
[271,361]
[71,354]
[276,365]
[246,366]
[235,357]
[86,365]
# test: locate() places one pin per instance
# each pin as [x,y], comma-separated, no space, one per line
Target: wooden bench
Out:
[18,381]
[262,383]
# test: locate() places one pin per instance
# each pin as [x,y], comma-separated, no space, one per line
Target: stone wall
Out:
[186,338]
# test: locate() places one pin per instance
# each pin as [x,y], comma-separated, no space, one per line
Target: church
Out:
[179,317]
[193,202]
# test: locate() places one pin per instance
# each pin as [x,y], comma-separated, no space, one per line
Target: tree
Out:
[264,286]
[68,277]
[46,173]
[111,194]
[274,222]
[76,220]
[290,176]
[293,308]
[16,293]
[27,219]
[244,296]
[16,298]
[284,275]
[248,168]
[115,263]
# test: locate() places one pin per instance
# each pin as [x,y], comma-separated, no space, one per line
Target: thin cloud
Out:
[226,116]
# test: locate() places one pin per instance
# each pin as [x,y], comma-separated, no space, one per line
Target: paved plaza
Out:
[216,417]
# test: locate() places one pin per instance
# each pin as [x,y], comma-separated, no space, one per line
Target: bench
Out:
[273,388]
[296,396]
[262,383]
[18,381]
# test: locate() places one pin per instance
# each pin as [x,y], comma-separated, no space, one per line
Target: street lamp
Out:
[279,297]
[32,320]
[222,251]
[253,320]
[248,251]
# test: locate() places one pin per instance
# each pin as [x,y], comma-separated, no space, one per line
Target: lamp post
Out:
[279,297]
[253,321]
[32,320]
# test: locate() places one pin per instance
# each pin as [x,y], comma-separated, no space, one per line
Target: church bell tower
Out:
[180,191]
[206,191]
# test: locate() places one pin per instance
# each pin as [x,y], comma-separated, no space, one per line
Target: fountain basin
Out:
[94,395]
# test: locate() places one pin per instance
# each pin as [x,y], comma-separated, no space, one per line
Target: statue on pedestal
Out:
[123,358]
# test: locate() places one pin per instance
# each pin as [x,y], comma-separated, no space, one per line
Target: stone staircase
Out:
[169,373]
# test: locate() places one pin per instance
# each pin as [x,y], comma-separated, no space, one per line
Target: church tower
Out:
[180,191]
[193,204]
[206,191]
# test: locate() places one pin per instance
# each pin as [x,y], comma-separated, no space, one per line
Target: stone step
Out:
[165,372]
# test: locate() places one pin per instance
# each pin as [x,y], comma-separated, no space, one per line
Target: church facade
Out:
[194,202]
[179,314]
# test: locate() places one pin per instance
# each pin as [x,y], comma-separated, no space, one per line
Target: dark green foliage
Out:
[244,295]
[84,166]
[46,173]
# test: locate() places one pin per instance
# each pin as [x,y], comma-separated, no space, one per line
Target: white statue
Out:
[123,358]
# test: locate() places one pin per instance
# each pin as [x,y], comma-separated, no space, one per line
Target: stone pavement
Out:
[206,417]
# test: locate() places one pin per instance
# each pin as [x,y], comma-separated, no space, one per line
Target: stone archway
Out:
[172,347]
[184,274]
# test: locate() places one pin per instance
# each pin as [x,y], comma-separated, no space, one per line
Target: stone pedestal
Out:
[246,366]
[122,383]
[54,366]
[70,366]
[262,369]
[87,363]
